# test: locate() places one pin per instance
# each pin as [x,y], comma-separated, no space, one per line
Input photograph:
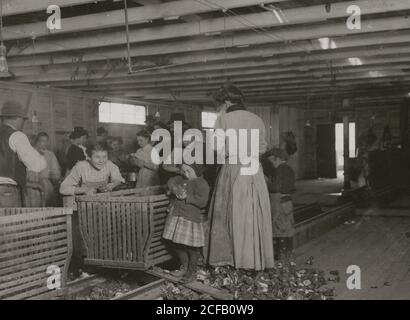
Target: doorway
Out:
[339,142]
[326,152]
[330,140]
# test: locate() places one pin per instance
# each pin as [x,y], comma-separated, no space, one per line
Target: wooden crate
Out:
[32,240]
[124,229]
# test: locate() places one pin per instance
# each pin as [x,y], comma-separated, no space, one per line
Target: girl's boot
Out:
[183,259]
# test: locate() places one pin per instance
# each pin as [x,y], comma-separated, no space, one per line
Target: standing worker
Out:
[281,184]
[20,163]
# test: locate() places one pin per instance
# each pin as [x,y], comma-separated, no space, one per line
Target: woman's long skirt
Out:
[239,230]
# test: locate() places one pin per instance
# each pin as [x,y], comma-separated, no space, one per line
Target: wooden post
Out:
[346,154]
[404,123]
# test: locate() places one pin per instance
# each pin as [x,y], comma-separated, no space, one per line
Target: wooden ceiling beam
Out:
[182,52]
[14,7]
[253,69]
[63,73]
[284,78]
[115,18]
[348,80]
[318,96]
[210,26]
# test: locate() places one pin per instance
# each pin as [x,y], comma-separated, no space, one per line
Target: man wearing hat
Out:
[18,159]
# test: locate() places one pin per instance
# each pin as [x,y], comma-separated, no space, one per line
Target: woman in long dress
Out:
[239,218]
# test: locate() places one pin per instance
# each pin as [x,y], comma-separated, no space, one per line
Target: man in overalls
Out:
[19,161]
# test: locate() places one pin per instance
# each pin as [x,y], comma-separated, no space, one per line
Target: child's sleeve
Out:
[198,193]
[72,181]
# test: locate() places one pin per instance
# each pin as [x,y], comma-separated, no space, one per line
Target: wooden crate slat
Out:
[9,293]
[115,264]
[109,231]
[154,245]
[159,253]
[154,250]
[99,217]
[4,266]
[104,231]
[27,282]
[46,214]
[146,227]
[160,222]
[119,231]
[135,221]
[42,293]
[11,228]
[124,231]
[32,240]
[20,252]
[128,213]
[33,267]
[160,204]
[142,210]
[95,229]
[115,233]
[153,262]
[158,215]
[38,231]
[89,234]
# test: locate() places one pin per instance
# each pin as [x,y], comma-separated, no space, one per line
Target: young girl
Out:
[184,227]
[281,183]
[148,170]
[90,176]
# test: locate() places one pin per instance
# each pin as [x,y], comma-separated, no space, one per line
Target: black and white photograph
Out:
[204,156]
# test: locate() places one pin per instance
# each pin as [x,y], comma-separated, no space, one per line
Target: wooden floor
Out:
[379,245]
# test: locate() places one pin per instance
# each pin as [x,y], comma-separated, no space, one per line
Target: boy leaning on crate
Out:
[184,226]
[280,179]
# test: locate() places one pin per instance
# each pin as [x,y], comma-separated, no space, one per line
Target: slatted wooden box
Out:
[32,240]
[124,229]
